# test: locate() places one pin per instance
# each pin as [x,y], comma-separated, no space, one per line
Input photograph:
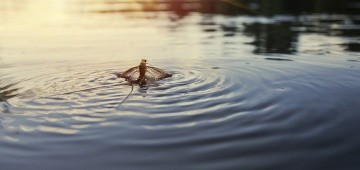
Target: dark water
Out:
[247,91]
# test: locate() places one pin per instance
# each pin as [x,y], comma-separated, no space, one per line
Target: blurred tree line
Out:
[271,7]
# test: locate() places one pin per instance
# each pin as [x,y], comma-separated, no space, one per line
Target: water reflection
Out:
[271,35]
[352,46]
[7,91]
[272,38]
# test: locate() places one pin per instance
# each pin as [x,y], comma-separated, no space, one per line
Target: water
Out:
[247,92]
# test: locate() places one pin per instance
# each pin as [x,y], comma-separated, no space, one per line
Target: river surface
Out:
[247,92]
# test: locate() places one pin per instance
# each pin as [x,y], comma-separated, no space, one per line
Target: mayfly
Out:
[142,74]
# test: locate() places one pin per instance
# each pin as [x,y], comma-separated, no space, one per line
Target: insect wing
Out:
[156,73]
[131,74]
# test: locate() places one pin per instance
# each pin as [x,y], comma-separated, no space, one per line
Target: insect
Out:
[143,73]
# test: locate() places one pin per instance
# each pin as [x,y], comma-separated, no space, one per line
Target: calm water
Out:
[247,92]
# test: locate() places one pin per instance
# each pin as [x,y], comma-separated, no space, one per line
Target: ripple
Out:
[193,95]
[199,107]
[278,59]
[57,130]
[197,96]
[205,108]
